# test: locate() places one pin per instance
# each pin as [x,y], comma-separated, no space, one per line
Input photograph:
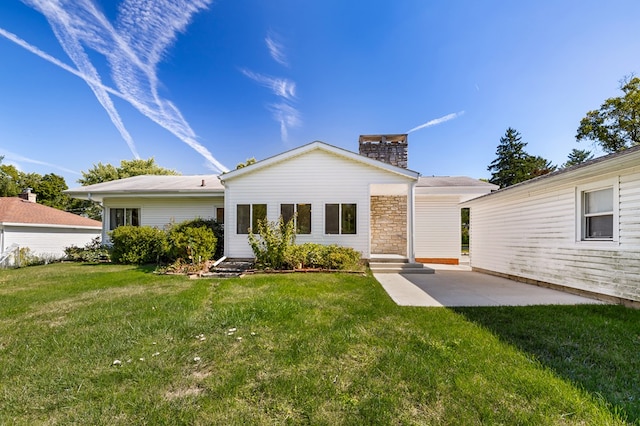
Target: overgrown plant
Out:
[93,251]
[272,243]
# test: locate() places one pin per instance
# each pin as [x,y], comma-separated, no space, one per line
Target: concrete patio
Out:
[459,286]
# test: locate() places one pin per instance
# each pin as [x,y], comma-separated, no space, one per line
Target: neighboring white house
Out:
[44,230]
[156,201]
[578,228]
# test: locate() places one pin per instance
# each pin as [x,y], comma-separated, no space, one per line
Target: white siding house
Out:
[324,178]
[578,228]
[45,231]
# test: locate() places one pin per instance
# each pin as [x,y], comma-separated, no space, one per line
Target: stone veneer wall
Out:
[394,153]
[389,224]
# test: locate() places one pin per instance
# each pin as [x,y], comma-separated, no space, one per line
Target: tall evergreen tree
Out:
[513,164]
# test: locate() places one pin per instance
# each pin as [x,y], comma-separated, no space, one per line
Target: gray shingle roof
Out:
[153,183]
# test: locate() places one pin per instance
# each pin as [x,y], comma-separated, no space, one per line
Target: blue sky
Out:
[202,85]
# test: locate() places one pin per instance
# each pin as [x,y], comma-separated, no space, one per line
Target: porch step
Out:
[230,268]
[405,267]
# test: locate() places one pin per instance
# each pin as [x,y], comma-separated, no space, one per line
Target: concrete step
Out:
[399,268]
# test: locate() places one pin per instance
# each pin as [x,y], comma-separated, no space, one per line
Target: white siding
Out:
[532,234]
[316,177]
[437,227]
[47,242]
[159,212]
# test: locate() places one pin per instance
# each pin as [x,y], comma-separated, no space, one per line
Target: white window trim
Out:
[108,215]
[295,216]
[340,234]
[613,183]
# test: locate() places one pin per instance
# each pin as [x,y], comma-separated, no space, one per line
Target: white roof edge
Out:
[313,146]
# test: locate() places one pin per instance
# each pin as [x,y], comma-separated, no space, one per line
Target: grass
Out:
[321,349]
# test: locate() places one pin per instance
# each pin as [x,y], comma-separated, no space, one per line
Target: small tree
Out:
[577,156]
[272,243]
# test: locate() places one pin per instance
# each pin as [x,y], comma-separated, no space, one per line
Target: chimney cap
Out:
[389,138]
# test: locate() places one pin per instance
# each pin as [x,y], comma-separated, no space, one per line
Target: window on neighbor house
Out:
[300,213]
[340,218]
[124,216]
[598,214]
[248,216]
[220,215]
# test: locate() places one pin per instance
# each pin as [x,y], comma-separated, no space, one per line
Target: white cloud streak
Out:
[134,47]
[283,112]
[21,159]
[437,121]
[276,49]
[279,86]
[287,116]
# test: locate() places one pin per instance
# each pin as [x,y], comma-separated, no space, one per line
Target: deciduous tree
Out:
[616,125]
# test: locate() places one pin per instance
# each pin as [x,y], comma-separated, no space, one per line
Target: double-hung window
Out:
[300,214]
[123,216]
[248,216]
[340,218]
[598,213]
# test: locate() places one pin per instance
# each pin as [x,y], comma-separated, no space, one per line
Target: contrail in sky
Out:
[437,121]
[133,47]
[15,157]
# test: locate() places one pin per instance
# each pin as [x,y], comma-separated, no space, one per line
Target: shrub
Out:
[192,241]
[273,242]
[93,251]
[138,244]
[213,225]
[312,255]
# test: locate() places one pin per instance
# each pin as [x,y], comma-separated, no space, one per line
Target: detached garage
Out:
[44,230]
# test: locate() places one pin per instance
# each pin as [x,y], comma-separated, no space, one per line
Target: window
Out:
[301,213]
[248,216]
[598,214]
[124,216]
[340,218]
[220,215]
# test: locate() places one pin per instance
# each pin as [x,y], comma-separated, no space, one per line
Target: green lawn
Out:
[298,349]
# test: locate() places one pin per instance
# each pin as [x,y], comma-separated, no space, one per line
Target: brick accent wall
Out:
[389,224]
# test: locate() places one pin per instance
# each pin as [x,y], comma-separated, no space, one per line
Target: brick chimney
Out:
[391,149]
[28,195]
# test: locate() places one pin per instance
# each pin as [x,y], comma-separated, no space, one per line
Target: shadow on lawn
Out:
[596,347]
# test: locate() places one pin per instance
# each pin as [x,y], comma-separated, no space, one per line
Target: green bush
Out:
[138,245]
[312,255]
[213,225]
[273,243]
[192,241]
[93,251]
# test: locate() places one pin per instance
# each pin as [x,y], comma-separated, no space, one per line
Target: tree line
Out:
[615,126]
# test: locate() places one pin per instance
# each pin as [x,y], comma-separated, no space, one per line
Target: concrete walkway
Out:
[459,286]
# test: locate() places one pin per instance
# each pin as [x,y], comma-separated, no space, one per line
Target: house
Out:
[44,230]
[155,201]
[369,200]
[578,228]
